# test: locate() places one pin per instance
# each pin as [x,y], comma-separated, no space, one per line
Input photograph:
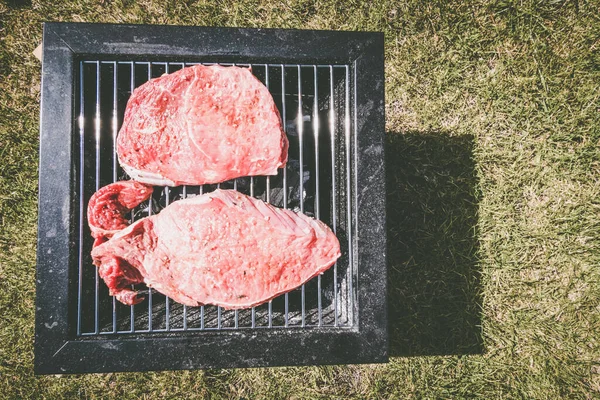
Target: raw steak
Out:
[201,125]
[222,248]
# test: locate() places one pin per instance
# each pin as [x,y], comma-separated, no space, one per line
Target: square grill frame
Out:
[58,348]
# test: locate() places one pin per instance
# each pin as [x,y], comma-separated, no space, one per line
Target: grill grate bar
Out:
[201,317]
[97,137]
[115,125]
[149,214]
[236,314]
[253,321]
[167,300]
[304,184]
[285,186]
[81,196]
[115,120]
[185,310]
[189,329]
[300,124]
[132,87]
[268,199]
[200,191]
[340,66]
[167,200]
[317,205]
[283,116]
[97,125]
[333,184]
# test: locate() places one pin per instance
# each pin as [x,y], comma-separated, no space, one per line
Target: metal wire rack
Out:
[315,106]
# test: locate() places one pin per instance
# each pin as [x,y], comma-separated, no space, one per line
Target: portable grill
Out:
[328,87]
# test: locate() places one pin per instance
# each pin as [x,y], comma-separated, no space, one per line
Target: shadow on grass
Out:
[18,3]
[434,281]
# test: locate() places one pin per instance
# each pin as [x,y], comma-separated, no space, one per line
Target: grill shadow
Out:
[434,290]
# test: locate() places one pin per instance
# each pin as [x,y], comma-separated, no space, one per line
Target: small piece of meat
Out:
[108,206]
[201,125]
[222,248]
[119,276]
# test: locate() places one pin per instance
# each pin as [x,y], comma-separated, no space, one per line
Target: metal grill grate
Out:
[316,108]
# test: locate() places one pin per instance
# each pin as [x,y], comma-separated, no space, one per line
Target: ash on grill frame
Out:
[104,87]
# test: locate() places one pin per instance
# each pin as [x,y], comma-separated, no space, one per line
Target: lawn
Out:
[493,182]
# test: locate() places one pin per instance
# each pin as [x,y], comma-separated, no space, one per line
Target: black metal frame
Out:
[58,349]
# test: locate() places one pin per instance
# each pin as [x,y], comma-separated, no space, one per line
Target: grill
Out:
[330,99]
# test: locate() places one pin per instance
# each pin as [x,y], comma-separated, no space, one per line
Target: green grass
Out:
[493,120]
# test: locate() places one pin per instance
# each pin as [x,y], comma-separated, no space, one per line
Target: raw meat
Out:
[107,208]
[222,248]
[201,125]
